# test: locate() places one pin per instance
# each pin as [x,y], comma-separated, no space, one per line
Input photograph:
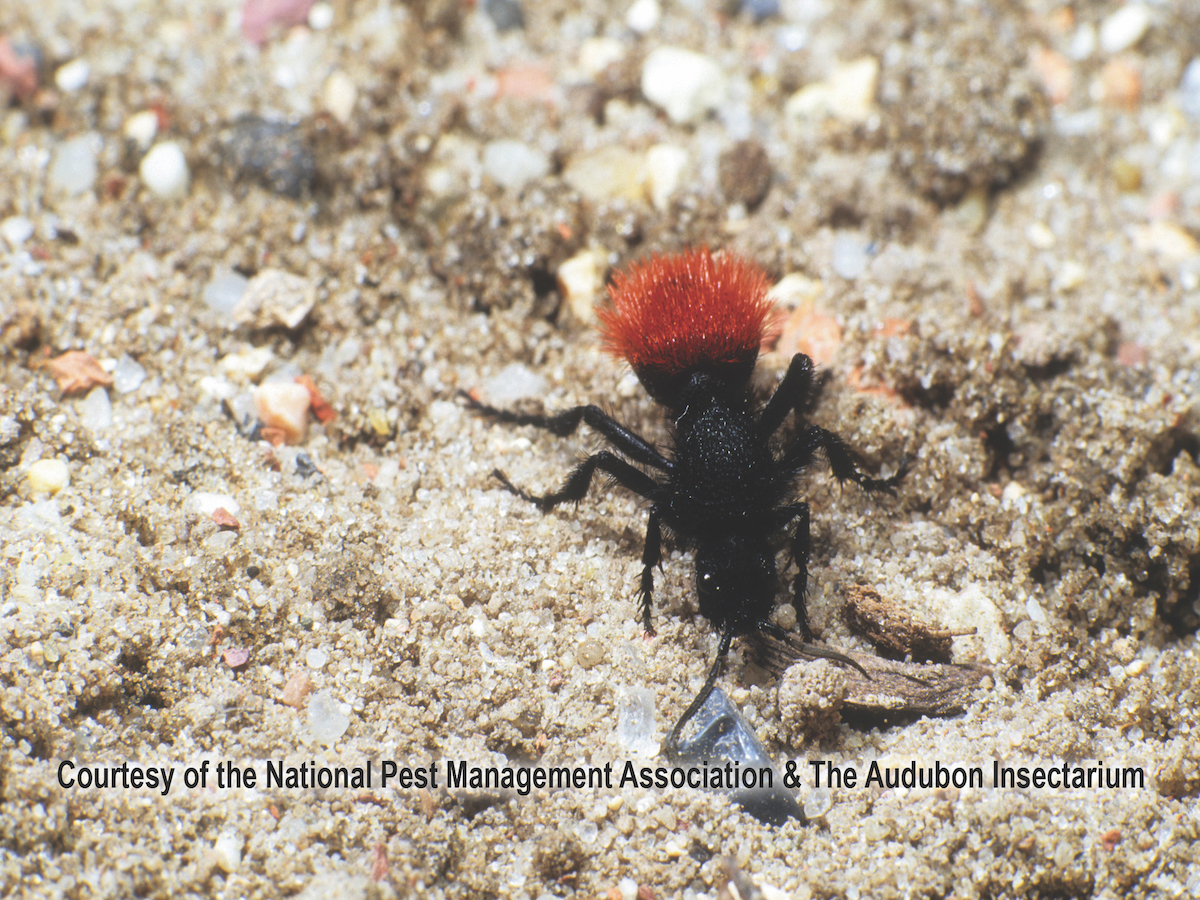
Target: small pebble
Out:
[325,718]
[848,94]
[283,405]
[316,659]
[48,476]
[274,297]
[665,165]
[849,256]
[579,282]
[72,76]
[608,173]
[1124,28]
[16,230]
[95,410]
[128,375]
[224,291]
[506,15]
[795,289]
[262,17]
[164,171]
[643,15]
[761,9]
[1127,175]
[273,153]
[1120,84]
[686,85]
[141,129]
[74,168]
[744,173]
[1189,89]
[1166,240]
[340,95]
[227,851]
[636,721]
[248,363]
[818,802]
[236,657]
[320,16]
[1040,236]
[296,691]
[207,502]
[598,53]
[512,383]
[513,164]
[590,653]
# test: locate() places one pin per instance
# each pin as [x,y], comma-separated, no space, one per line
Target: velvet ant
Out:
[690,325]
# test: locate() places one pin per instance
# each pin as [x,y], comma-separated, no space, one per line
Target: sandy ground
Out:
[988,212]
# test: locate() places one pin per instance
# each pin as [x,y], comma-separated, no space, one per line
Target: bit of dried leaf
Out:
[317,403]
[78,372]
[892,631]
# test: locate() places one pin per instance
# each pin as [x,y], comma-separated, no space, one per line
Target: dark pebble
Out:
[505,14]
[744,172]
[272,153]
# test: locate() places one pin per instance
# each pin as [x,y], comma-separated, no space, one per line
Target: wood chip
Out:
[77,372]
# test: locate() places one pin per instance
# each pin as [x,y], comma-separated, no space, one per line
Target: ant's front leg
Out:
[564,423]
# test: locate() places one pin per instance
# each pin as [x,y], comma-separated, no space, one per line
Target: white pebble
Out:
[206,503]
[793,290]
[665,164]
[636,721]
[598,53]
[1040,236]
[95,410]
[512,164]
[248,363]
[849,256]
[73,75]
[227,851]
[141,128]
[340,95]
[643,15]
[684,84]
[1166,240]
[607,173]
[320,16]
[128,375]
[74,168]
[326,720]
[579,283]
[164,171]
[1189,89]
[512,383]
[283,405]
[275,297]
[316,659]
[224,291]
[48,476]
[16,230]
[1124,28]
[848,94]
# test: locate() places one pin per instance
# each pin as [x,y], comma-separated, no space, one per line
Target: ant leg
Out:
[792,393]
[801,550]
[651,557]
[577,484]
[842,460]
[671,746]
[565,423]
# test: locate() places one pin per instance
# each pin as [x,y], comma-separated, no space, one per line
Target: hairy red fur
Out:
[677,314]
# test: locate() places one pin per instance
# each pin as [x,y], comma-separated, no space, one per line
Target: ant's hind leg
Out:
[801,551]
